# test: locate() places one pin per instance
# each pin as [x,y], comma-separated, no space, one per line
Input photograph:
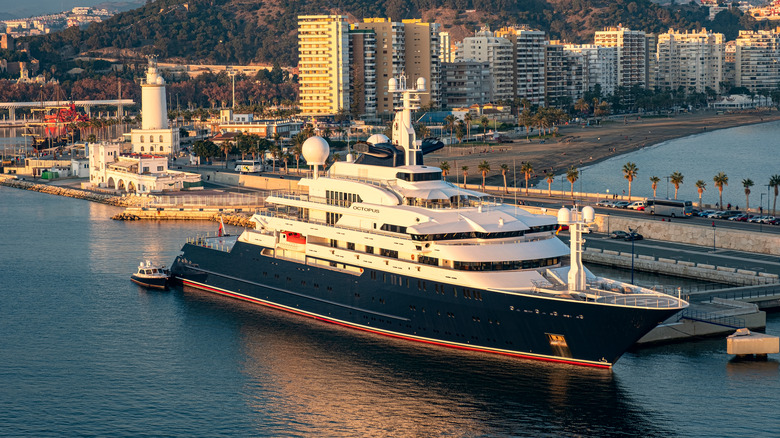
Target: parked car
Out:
[705,213]
[755,219]
[637,204]
[633,236]
[621,204]
[745,217]
[768,219]
[729,214]
[716,215]
[618,234]
[604,203]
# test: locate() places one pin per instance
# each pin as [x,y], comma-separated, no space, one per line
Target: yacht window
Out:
[393,228]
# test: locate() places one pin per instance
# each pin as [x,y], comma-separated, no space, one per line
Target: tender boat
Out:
[151,276]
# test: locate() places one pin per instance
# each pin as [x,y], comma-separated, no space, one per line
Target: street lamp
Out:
[232,73]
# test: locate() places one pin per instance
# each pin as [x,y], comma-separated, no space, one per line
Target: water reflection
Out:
[308,377]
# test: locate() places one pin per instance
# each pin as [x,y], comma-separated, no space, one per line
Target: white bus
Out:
[249,166]
[669,207]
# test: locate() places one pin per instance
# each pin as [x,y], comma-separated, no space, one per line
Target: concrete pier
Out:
[746,343]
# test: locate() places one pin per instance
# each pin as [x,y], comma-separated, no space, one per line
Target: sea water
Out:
[744,152]
[86,352]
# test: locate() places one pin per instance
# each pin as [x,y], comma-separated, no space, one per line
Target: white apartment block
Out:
[323,64]
[599,66]
[757,60]
[465,83]
[409,47]
[529,62]
[497,52]
[446,54]
[631,54]
[694,60]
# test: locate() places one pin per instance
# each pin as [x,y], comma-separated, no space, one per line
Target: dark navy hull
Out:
[460,316]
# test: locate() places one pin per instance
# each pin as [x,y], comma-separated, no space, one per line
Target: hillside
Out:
[246,31]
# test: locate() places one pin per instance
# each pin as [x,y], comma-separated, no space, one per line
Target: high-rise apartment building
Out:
[528,57]
[465,83]
[599,67]
[362,74]
[446,54]
[690,60]
[631,54]
[497,52]
[323,64]
[757,60]
[409,47]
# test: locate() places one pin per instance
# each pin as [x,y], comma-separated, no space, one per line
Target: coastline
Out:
[579,145]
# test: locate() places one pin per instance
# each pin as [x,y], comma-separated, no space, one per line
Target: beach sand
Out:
[578,145]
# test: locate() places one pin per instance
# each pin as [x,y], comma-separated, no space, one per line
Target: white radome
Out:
[392,85]
[377,139]
[420,84]
[315,150]
[564,215]
[588,214]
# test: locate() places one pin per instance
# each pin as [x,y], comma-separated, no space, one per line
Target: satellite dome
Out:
[160,80]
[564,215]
[315,150]
[420,84]
[377,139]
[588,214]
[392,85]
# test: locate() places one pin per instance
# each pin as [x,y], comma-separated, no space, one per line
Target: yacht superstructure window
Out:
[415,177]
[394,228]
[467,235]
[342,199]
[506,265]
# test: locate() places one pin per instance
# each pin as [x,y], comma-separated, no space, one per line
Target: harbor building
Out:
[229,122]
[690,59]
[756,65]
[134,173]
[632,49]
[497,52]
[528,62]
[323,64]
[599,66]
[155,136]
[466,83]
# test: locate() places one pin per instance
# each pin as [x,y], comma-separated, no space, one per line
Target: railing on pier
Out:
[230,199]
[711,318]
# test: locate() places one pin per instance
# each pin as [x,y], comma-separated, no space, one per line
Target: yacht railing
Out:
[219,243]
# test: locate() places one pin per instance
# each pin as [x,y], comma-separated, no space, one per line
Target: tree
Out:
[527,120]
[276,152]
[654,179]
[460,130]
[226,148]
[467,119]
[504,170]
[527,169]
[701,186]
[205,149]
[582,106]
[676,179]
[550,178]
[629,172]
[297,151]
[449,123]
[465,170]
[485,122]
[747,183]
[445,169]
[573,174]
[483,167]
[774,182]
[721,180]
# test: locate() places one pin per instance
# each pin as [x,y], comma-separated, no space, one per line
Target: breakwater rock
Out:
[125,217]
[120,201]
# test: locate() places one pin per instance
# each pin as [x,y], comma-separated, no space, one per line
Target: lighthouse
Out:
[154,110]
[155,136]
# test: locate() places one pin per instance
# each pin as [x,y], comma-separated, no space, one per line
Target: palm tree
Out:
[747,184]
[721,180]
[276,152]
[676,178]
[467,119]
[504,170]
[629,172]
[449,123]
[526,119]
[572,175]
[226,147]
[483,167]
[485,122]
[445,169]
[701,186]
[654,180]
[550,178]
[527,169]
[465,170]
[774,182]
[460,130]
[582,106]
[297,151]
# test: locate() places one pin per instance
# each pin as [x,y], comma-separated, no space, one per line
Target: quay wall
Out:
[282,182]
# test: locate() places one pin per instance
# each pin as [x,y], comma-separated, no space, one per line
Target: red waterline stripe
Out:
[392,335]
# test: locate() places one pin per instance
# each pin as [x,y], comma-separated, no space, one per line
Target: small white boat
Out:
[151,276]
